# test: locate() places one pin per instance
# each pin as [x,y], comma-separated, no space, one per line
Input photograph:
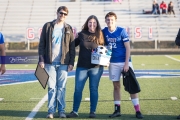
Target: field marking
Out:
[173,98]
[18,83]
[1,99]
[36,108]
[142,64]
[35,98]
[87,99]
[172,58]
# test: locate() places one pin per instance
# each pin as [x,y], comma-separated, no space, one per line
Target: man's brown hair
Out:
[63,8]
[111,14]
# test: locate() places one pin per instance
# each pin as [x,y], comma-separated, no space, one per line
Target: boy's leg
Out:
[135,100]
[114,74]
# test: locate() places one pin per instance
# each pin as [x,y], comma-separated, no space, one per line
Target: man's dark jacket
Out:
[177,41]
[130,82]
[45,44]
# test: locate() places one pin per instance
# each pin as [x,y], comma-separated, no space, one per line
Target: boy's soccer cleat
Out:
[115,114]
[139,115]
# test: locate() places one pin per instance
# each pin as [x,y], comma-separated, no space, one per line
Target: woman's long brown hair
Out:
[98,38]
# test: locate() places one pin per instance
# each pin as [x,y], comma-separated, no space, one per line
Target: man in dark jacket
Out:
[177,41]
[56,55]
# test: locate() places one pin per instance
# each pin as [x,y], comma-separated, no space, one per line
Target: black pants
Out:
[163,11]
[169,12]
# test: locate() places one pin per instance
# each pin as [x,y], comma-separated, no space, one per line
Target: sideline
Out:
[172,58]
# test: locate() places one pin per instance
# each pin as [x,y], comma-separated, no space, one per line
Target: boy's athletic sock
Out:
[136,104]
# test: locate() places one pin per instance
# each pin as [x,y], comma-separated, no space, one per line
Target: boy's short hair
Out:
[63,8]
[111,14]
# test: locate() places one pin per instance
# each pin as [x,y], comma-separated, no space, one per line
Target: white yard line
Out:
[1,99]
[172,58]
[36,108]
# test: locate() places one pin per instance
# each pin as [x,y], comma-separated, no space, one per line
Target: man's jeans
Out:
[154,11]
[81,77]
[56,86]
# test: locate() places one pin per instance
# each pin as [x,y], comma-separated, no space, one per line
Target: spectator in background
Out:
[118,1]
[163,6]
[2,55]
[88,39]
[56,54]
[147,12]
[155,8]
[170,8]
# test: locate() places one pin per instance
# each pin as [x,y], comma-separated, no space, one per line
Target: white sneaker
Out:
[50,116]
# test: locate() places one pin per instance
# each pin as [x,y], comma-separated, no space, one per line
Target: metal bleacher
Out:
[18,15]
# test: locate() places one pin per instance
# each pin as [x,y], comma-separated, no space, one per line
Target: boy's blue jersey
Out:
[1,39]
[116,39]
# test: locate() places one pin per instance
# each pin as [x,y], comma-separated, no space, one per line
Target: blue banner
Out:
[19,59]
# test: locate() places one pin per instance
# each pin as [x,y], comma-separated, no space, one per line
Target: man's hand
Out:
[41,64]
[70,68]
[2,69]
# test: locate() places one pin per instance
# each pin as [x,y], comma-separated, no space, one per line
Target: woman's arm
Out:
[77,41]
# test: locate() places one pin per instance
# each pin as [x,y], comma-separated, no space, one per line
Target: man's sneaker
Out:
[115,114]
[50,116]
[62,115]
[72,115]
[139,115]
[92,115]
[178,117]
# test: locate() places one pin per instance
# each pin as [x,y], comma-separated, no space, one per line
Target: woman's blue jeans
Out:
[56,86]
[82,74]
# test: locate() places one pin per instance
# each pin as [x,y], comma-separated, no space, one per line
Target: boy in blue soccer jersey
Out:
[2,51]
[120,60]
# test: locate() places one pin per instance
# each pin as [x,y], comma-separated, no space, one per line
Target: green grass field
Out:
[155,96]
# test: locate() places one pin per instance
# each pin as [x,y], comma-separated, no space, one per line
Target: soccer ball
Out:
[100,50]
